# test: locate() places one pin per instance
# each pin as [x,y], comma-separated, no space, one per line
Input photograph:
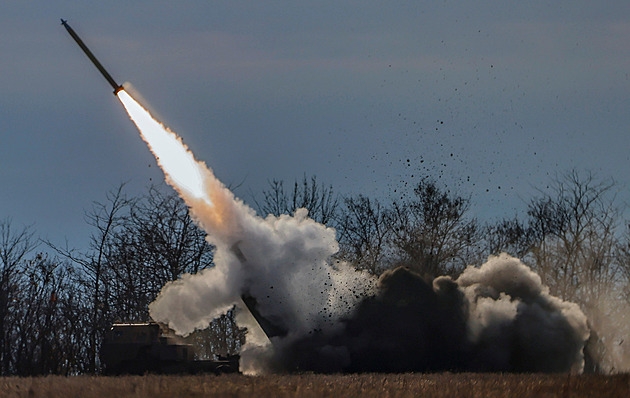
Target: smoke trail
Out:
[498,317]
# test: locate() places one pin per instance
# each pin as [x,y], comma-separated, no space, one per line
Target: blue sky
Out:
[491,98]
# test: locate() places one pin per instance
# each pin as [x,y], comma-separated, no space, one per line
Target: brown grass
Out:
[313,385]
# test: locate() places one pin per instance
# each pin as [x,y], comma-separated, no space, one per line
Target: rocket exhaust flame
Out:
[178,163]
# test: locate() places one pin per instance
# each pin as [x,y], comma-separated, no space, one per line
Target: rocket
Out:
[117,87]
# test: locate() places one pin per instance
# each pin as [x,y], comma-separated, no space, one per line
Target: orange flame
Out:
[211,204]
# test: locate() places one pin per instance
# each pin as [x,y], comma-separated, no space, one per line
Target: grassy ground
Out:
[312,385]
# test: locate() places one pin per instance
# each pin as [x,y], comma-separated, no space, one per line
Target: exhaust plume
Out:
[498,317]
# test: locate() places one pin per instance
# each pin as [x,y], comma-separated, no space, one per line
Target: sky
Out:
[492,99]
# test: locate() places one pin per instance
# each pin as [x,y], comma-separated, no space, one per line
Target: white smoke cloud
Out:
[286,268]
[508,302]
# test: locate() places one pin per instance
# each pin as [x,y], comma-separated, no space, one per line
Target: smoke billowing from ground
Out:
[498,317]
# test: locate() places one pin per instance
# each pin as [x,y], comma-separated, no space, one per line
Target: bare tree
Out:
[364,231]
[432,232]
[41,316]
[15,246]
[106,219]
[508,235]
[48,338]
[574,237]
[318,199]
[158,243]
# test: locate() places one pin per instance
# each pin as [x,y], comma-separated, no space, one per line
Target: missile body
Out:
[117,87]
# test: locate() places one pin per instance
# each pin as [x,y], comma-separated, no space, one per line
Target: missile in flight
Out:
[117,87]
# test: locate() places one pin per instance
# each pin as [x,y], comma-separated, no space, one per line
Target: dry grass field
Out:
[313,385]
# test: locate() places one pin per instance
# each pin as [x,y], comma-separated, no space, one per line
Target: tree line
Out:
[55,308]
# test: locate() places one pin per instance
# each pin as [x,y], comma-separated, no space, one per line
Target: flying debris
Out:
[117,87]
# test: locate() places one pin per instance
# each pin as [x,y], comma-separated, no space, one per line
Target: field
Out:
[313,385]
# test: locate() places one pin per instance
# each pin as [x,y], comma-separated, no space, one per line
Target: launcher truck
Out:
[138,348]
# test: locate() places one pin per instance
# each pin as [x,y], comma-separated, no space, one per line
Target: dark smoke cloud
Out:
[498,317]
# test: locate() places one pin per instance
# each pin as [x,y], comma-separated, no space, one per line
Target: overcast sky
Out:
[490,98]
